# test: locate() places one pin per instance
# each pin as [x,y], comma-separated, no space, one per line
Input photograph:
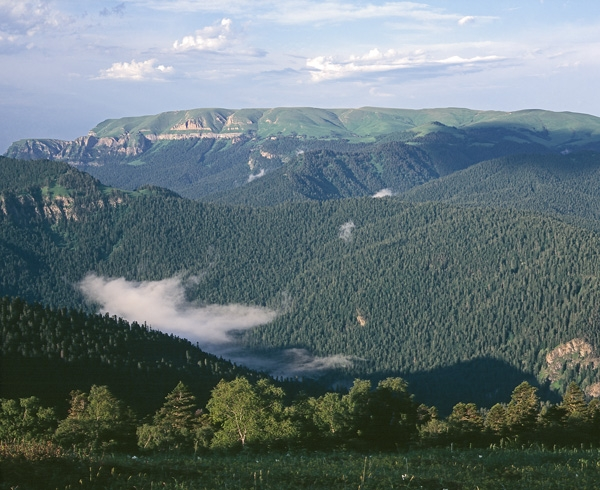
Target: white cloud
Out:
[346,231]
[312,11]
[458,60]
[218,38]
[25,17]
[383,193]
[142,70]
[331,11]
[22,20]
[375,61]
[211,38]
[303,362]
[469,19]
[299,362]
[163,305]
[260,174]
[189,6]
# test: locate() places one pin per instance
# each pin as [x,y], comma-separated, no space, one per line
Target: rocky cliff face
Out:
[24,208]
[85,150]
[575,355]
[91,150]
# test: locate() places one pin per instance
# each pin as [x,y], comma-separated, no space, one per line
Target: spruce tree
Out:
[523,410]
[177,425]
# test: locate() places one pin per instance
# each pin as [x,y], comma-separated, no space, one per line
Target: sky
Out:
[67,65]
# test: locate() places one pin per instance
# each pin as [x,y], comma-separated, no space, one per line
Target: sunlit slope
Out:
[195,120]
[565,185]
[546,127]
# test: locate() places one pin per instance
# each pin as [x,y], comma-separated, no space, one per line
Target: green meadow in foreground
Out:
[447,468]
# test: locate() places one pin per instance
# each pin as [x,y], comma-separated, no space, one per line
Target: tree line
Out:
[241,414]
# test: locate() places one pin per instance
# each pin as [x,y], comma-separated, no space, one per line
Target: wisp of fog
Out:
[383,193]
[346,231]
[164,306]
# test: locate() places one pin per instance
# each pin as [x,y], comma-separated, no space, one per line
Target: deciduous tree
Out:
[249,414]
[97,421]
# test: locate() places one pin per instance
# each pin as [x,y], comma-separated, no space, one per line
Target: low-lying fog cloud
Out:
[346,231]
[291,362]
[383,193]
[163,306]
[260,174]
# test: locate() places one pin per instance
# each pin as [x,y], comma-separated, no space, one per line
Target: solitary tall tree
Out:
[523,409]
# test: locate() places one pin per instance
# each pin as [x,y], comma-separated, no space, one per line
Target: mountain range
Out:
[208,153]
[477,268]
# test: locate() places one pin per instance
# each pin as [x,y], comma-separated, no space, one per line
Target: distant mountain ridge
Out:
[204,153]
[560,185]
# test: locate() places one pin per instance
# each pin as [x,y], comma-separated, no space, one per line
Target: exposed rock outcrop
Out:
[575,354]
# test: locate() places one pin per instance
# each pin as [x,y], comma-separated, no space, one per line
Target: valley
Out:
[377,244]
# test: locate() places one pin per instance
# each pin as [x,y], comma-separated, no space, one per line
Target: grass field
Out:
[492,468]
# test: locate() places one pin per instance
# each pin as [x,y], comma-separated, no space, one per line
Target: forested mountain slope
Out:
[312,153]
[47,353]
[561,185]
[416,289]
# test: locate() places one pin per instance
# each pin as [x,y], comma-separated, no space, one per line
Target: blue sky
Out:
[67,65]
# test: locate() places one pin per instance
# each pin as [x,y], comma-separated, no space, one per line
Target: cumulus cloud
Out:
[22,20]
[23,17]
[375,61]
[163,305]
[218,38]
[211,38]
[468,19]
[383,193]
[142,70]
[346,231]
[260,174]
